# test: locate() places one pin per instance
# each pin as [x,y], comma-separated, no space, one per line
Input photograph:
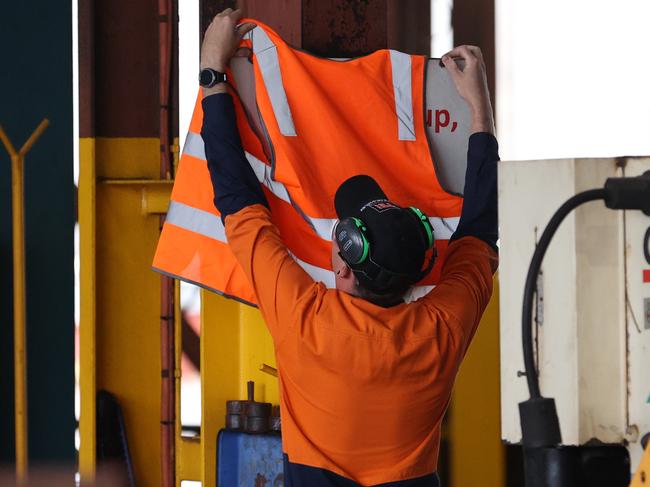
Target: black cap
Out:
[398,241]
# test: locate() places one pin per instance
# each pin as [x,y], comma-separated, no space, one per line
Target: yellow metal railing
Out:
[18,234]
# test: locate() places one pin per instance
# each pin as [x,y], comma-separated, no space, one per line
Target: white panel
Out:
[600,301]
[638,320]
[525,205]
[581,340]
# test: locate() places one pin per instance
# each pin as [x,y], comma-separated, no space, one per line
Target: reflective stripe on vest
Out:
[401,70]
[195,220]
[210,226]
[443,227]
[266,55]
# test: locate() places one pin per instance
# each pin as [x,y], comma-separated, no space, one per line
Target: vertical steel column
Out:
[127,134]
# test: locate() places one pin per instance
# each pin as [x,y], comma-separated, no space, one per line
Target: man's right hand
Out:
[223,36]
[471,83]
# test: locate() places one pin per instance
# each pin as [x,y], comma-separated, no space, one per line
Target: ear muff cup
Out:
[353,244]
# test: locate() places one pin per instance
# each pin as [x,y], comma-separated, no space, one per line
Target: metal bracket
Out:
[155,193]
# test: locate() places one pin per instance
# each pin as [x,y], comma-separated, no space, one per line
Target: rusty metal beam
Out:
[344,28]
[473,23]
[409,26]
[282,15]
[209,8]
[338,28]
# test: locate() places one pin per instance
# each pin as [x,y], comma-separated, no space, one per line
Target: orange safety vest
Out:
[322,121]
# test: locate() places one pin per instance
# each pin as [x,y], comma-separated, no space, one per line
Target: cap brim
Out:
[354,193]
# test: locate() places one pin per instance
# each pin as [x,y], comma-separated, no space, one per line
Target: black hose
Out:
[531,280]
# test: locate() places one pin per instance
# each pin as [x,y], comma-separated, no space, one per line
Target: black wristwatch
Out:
[209,77]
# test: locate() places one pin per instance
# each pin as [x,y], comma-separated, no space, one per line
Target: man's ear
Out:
[344,272]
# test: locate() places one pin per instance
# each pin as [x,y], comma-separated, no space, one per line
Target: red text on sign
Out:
[440,119]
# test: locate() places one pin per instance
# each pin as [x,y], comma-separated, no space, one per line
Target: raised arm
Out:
[233,180]
[471,84]
[465,285]
[479,217]
[281,286]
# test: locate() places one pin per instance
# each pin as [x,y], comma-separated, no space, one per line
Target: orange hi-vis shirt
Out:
[363,388]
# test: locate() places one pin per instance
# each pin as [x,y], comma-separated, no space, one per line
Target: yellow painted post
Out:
[220,373]
[235,344]
[120,196]
[477,455]
[20,346]
[256,349]
[87,321]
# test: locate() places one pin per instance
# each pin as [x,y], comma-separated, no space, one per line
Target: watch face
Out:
[206,78]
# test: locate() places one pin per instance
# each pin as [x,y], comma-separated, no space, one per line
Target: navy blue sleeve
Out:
[479,217]
[233,180]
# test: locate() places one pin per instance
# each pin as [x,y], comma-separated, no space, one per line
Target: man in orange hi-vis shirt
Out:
[365,378]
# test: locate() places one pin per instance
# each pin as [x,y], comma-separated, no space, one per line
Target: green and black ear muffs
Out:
[353,243]
[354,247]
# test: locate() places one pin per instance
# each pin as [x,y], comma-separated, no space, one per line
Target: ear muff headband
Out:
[353,244]
[425,223]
